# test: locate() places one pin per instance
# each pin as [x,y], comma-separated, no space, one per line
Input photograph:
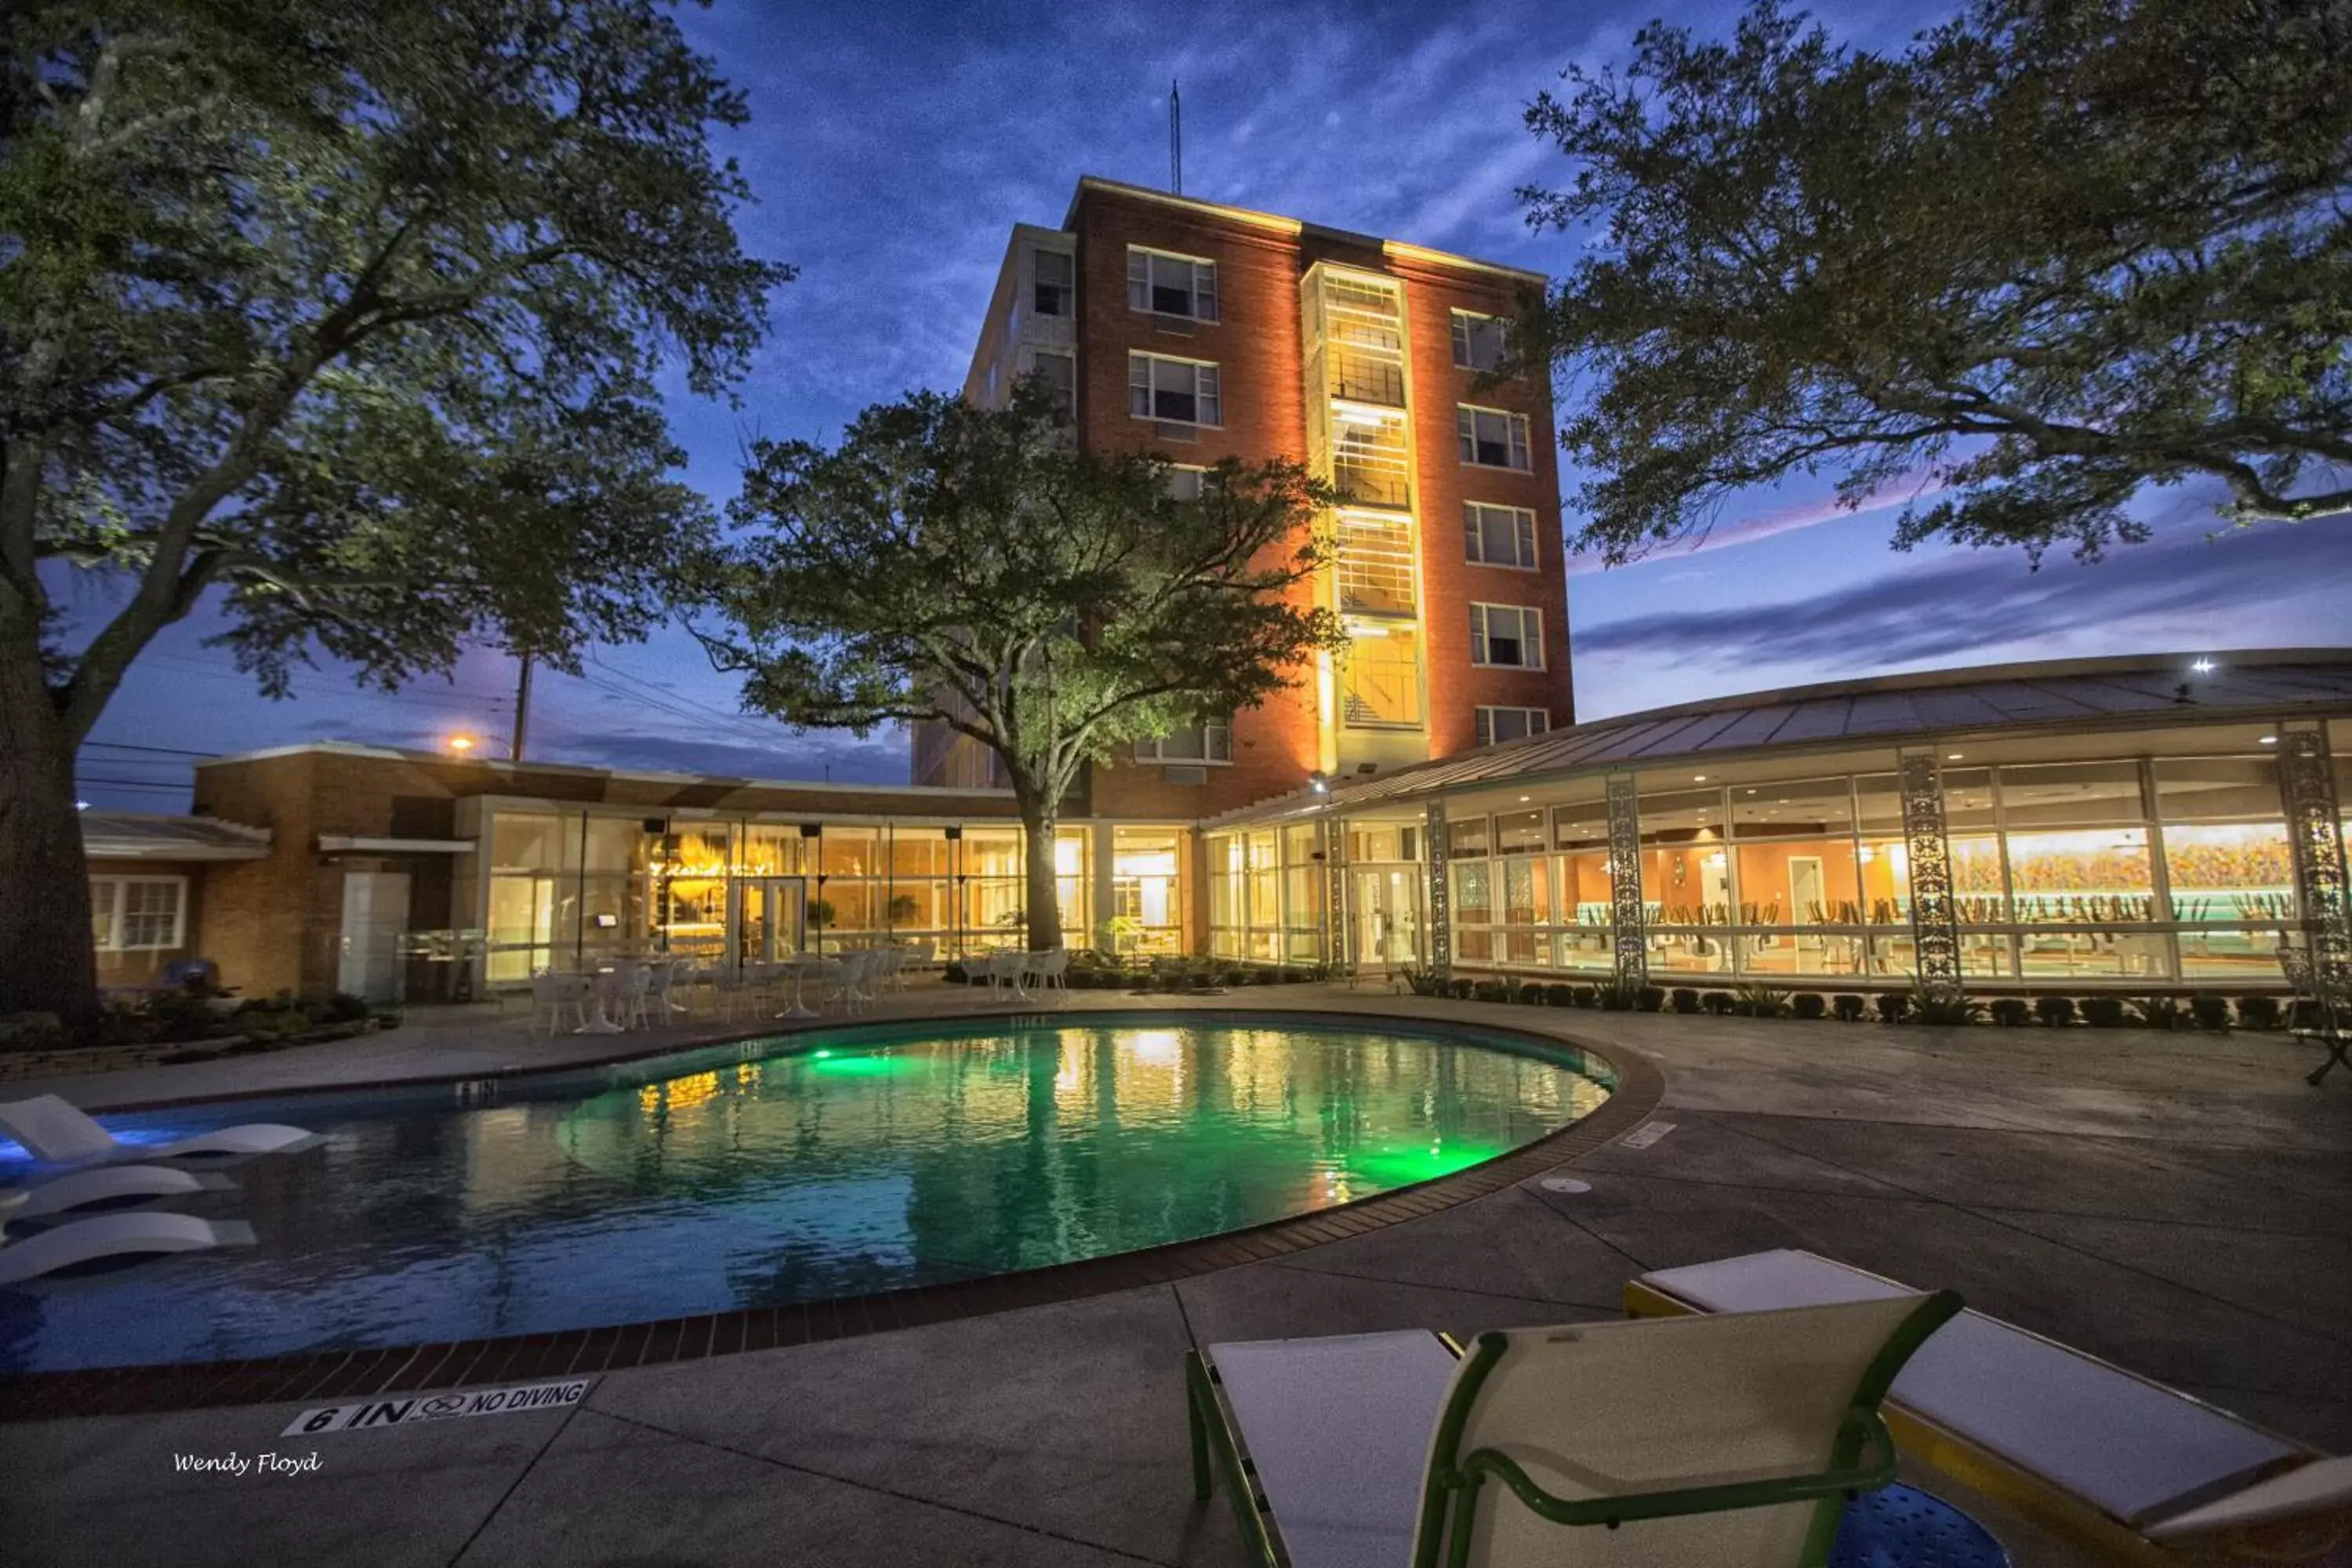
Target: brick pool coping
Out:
[578,1352]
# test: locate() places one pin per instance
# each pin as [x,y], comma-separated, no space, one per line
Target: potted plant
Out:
[902,910]
[818,915]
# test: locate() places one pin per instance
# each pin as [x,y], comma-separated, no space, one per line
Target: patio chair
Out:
[1049,970]
[2140,1473]
[105,1185]
[846,980]
[2316,1000]
[633,987]
[552,993]
[1590,1443]
[49,1128]
[113,1236]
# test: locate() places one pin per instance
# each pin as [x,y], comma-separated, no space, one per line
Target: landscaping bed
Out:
[174,1026]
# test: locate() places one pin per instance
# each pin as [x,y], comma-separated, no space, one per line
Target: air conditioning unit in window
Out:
[1168,432]
[1187,774]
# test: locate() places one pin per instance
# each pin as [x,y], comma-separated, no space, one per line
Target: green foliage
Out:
[818,912]
[2044,257]
[1931,1005]
[1894,1006]
[2259,1012]
[1531,995]
[1585,996]
[2057,1011]
[1756,1000]
[2159,1012]
[1459,987]
[31,1032]
[2211,1012]
[901,908]
[1617,996]
[1809,1005]
[2011,1012]
[1423,982]
[344,1007]
[1559,996]
[1848,1006]
[1650,998]
[1685,999]
[951,565]
[2105,1012]
[1491,991]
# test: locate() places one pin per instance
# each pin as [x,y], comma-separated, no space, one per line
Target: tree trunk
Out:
[1045,897]
[46,964]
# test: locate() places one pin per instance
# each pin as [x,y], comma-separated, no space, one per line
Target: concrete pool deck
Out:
[2172,1203]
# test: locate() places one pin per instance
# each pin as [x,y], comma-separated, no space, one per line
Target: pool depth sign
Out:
[412,1409]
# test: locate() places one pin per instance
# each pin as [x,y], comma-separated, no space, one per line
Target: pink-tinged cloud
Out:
[1903,489]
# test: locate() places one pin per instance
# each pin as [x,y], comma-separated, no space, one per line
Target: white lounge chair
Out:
[1047,971]
[2139,1472]
[111,1236]
[49,1128]
[1726,1448]
[105,1185]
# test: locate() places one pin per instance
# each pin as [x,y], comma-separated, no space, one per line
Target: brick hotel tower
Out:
[1204,331]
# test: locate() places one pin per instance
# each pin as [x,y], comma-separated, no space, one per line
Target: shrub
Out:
[2258,1012]
[1848,1006]
[1291,975]
[1685,999]
[1492,991]
[1618,997]
[344,1007]
[1424,981]
[954,974]
[2105,1012]
[1560,995]
[1233,979]
[1650,998]
[1811,1004]
[31,1032]
[1587,995]
[1531,995]
[1894,1006]
[2211,1012]
[1721,1004]
[1268,976]
[1758,1000]
[1459,987]
[2156,1012]
[1930,1006]
[2012,1011]
[2057,1011]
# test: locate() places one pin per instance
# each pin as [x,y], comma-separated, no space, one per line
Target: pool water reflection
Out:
[866,1161]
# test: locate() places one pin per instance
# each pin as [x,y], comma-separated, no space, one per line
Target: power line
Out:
[126,746]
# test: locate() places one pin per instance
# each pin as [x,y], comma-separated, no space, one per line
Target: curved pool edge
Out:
[331,1375]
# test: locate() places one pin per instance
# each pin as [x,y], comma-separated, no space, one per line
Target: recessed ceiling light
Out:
[2270,740]
[1951,756]
[2202,667]
[1699,778]
[1524,799]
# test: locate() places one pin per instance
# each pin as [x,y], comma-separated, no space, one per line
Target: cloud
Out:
[1960,607]
[1916,486]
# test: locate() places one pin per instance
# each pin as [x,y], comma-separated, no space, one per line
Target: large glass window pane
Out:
[2230,871]
[1518,832]
[1474,897]
[2096,875]
[1967,801]
[618,844]
[1526,892]
[2192,789]
[772,851]
[1382,841]
[1380,680]
[1802,882]
[2105,954]
[1678,817]
[1799,806]
[2068,793]
[1687,884]
[2248,957]
[522,841]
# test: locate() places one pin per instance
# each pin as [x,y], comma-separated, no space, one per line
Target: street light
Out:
[461,744]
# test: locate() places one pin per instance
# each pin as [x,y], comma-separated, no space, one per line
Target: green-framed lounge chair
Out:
[2139,1472]
[1723,1441]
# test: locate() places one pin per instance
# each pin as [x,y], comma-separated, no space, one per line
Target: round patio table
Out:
[1902,1527]
[801,967]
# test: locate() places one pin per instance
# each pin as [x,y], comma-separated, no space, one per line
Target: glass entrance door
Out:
[1387,911]
[768,923]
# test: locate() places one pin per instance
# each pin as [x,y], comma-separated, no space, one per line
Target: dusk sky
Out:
[893,147]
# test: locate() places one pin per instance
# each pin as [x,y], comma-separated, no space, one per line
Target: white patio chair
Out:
[847,982]
[552,994]
[998,970]
[1047,971]
[631,982]
[111,1236]
[105,1185]
[1725,1450]
[51,1129]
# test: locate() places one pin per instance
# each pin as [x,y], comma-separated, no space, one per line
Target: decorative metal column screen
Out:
[1335,896]
[1935,914]
[1625,883]
[1441,898]
[2308,792]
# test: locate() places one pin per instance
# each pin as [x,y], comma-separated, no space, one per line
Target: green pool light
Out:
[821,1054]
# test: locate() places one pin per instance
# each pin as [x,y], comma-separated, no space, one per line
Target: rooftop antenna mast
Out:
[1175,139]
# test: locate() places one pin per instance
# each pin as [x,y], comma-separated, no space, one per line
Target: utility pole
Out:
[522,710]
[1175,139]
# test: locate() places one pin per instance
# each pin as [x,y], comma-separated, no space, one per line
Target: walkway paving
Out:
[2173,1203]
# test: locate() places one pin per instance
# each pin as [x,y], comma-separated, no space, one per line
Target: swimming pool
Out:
[789,1169]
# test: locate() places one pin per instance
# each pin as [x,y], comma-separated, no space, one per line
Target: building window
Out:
[1056,292]
[1497,724]
[1492,439]
[1509,636]
[1168,285]
[1181,391]
[1184,481]
[1480,343]
[1498,535]
[1056,378]
[138,914]
[1211,742]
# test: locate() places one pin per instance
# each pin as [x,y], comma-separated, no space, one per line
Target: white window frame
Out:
[1215,737]
[1538,722]
[1467,322]
[1516,447]
[1069,291]
[1523,536]
[111,893]
[1481,627]
[1200,283]
[1151,364]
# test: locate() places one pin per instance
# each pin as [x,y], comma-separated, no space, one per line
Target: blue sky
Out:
[892,147]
